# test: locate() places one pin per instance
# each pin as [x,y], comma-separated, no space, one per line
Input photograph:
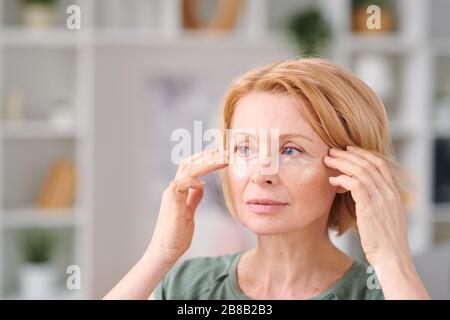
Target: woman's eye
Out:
[243,151]
[291,151]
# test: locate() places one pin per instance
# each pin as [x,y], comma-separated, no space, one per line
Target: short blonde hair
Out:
[340,107]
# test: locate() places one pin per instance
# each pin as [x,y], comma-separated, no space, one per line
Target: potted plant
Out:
[310,30]
[38,13]
[37,275]
[360,15]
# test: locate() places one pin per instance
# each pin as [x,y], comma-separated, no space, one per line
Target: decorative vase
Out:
[38,16]
[62,115]
[360,16]
[14,105]
[224,18]
[37,281]
[376,71]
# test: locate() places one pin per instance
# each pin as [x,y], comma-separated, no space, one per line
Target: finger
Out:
[180,188]
[206,154]
[199,157]
[354,170]
[201,170]
[210,162]
[194,198]
[213,156]
[379,163]
[188,161]
[379,180]
[359,192]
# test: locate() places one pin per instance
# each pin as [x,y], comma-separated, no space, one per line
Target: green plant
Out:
[310,30]
[366,3]
[38,245]
[48,3]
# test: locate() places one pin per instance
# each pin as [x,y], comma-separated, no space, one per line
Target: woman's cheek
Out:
[308,175]
[236,177]
[238,169]
[309,182]
[300,172]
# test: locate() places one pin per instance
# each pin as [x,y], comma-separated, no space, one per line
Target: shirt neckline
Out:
[329,293]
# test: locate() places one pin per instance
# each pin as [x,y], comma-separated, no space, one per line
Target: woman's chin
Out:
[270,225]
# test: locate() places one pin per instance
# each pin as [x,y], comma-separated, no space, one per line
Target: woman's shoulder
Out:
[192,277]
[359,283]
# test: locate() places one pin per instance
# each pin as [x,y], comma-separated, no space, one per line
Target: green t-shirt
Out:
[214,278]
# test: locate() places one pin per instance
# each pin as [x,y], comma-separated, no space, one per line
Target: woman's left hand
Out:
[379,211]
[381,220]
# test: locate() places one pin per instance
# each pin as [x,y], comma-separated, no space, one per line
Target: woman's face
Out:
[270,198]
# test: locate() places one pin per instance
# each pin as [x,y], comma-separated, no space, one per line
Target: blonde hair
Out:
[340,107]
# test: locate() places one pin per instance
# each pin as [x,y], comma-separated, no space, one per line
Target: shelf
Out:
[33,217]
[122,36]
[187,39]
[60,294]
[390,43]
[54,37]
[35,129]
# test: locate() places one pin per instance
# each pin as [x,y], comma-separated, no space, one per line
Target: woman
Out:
[334,171]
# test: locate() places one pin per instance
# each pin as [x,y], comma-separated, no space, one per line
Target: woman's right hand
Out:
[175,225]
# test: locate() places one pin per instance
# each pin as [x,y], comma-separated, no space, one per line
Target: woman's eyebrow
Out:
[284,135]
[295,135]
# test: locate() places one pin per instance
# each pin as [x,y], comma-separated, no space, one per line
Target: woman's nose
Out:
[264,177]
[266,170]
[264,160]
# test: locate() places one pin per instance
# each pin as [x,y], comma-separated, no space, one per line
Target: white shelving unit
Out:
[29,146]
[155,26]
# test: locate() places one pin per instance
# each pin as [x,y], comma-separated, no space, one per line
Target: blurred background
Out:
[90,95]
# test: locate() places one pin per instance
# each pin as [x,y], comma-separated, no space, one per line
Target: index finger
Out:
[207,162]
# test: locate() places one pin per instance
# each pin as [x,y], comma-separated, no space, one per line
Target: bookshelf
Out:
[30,144]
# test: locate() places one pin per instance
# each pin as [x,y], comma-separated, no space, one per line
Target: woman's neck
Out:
[298,264]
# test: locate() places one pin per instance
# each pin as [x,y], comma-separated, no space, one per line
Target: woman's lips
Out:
[265,205]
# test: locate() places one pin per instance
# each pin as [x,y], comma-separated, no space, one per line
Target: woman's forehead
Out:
[257,112]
